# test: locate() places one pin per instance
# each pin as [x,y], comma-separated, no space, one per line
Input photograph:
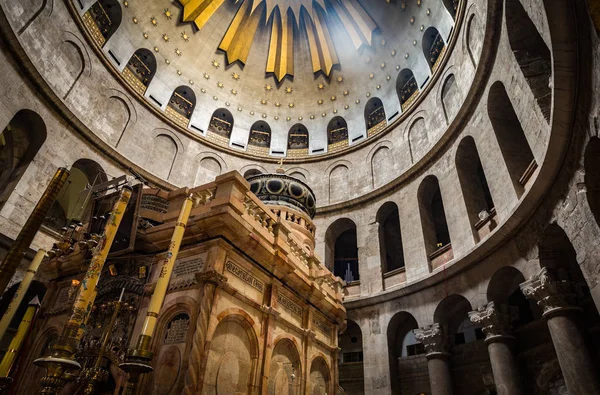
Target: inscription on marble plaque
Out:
[289,304]
[177,331]
[154,203]
[322,326]
[244,276]
[188,266]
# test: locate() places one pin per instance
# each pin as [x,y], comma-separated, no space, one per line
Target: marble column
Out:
[558,299]
[438,358]
[497,328]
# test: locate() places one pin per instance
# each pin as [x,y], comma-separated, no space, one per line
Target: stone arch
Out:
[510,135]
[418,139]
[79,67]
[474,186]
[299,173]
[374,114]
[406,88]
[22,138]
[433,46]
[503,289]
[221,123]
[36,15]
[450,97]
[473,41]
[382,162]
[531,52]
[453,314]
[252,170]
[341,250]
[351,368]
[401,344]
[285,362]
[390,237]
[209,168]
[339,176]
[142,68]
[117,123]
[591,165]
[163,154]
[433,222]
[320,377]
[233,354]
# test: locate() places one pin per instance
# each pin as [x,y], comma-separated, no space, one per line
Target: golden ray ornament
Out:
[284,16]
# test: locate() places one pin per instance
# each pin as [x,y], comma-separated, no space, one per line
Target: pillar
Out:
[438,358]
[497,328]
[558,300]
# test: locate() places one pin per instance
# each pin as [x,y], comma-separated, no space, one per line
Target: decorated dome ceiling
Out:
[247,73]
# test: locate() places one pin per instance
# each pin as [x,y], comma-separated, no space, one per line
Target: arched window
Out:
[406,88]
[452,7]
[259,141]
[504,290]
[221,126]
[140,70]
[402,344]
[433,221]
[341,250]
[297,141]
[531,52]
[352,376]
[337,134]
[511,138]
[390,238]
[181,105]
[433,47]
[475,189]
[375,118]
[19,143]
[73,202]
[453,314]
[103,19]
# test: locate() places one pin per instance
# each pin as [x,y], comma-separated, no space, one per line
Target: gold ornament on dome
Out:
[289,90]
[263,102]
[310,17]
[168,13]
[268,88]
[178,52]
[165,37]
[154,21]
[185,37]
[220,85]
[215,64]
[206,76]
[321,86]
[235,76]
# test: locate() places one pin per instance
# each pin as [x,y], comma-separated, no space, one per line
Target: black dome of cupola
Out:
[278,189]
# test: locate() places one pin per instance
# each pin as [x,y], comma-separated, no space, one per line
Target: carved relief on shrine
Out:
[185,269]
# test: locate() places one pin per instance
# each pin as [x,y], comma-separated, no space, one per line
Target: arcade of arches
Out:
[300,197]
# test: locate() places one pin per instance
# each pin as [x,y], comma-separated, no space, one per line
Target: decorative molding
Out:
[434,339]
[495,321]
[553,296]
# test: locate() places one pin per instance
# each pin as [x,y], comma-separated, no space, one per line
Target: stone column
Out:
[558,300]
[438,358]
[497,327]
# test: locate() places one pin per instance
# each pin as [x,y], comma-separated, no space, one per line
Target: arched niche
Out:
[402,344]
[517,154]
[162,155]
[259,140]
[341,250]
[390,238]
[170,355]
[20,141]
[351,367]
[375,118]
[450,98]
[140,69]
[406,88]
[209,168]
[433,222]
[73,203]
[433,47]
[337,133]
[181,105]
[285,369]
[531,52]
[297,141]
[320,377]
[104,19]
[503,289]
[453,314]
[475,189]
[251,173]
[339,178]
[221,124]
[592,176]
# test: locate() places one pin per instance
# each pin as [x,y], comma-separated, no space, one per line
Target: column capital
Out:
[552,295]
[495,320]
[434,339]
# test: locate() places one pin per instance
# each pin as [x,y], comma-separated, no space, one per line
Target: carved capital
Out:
[553,296]
[211,277]
[434,339]
[495,321]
